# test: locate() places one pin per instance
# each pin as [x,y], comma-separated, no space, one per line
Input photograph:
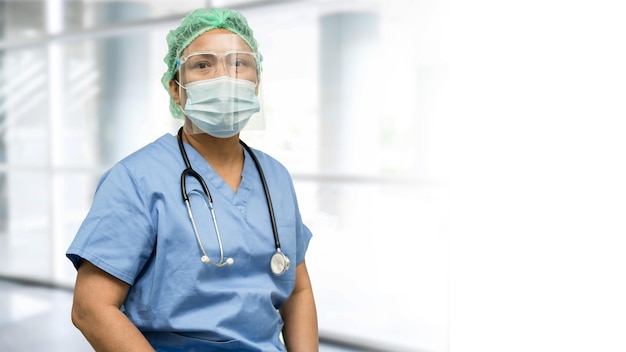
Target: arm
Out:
[300,316]
[98,297]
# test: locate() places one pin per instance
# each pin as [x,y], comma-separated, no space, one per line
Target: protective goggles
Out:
[203,65]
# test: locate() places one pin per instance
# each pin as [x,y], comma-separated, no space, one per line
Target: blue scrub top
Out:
[138,230]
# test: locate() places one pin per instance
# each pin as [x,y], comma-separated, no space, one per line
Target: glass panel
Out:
[21,20]
[44,213]
[25,123]
[25,245]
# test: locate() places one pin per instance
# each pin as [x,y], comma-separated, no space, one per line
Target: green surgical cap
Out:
[192,26]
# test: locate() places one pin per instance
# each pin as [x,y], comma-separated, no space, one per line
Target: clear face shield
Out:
[219,89]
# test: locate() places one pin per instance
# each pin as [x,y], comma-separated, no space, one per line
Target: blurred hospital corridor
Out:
[460,164]
[352,94]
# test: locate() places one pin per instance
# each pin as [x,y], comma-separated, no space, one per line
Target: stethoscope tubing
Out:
[189,171]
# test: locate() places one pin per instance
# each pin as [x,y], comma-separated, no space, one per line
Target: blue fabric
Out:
[138,230]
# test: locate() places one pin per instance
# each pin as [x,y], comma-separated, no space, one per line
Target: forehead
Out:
[218,40]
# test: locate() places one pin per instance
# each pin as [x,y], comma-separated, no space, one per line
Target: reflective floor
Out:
[35,318]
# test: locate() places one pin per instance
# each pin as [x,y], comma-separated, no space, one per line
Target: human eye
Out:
[202,65]
[241,61]
[202,62]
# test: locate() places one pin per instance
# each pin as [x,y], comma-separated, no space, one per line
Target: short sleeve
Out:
[117,235]
[303,243]
[303,234]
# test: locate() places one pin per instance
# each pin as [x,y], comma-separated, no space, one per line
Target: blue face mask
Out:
[221,106]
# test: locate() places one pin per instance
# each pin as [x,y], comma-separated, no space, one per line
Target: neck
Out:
[225,155]
[216,151]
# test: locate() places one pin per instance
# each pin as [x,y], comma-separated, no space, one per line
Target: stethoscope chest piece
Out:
[280,263]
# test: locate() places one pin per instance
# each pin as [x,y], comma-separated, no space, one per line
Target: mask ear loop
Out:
[191,128]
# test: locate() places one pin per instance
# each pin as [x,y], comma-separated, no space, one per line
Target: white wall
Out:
[538,179]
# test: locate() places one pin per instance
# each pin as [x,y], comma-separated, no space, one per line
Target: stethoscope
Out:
[279,262]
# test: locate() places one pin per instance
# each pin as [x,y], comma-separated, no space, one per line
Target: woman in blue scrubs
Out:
[212,258]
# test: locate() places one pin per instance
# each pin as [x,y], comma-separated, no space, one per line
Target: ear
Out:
[258,84]
[174,91]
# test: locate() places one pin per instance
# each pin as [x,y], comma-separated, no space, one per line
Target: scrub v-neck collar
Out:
[215,182]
